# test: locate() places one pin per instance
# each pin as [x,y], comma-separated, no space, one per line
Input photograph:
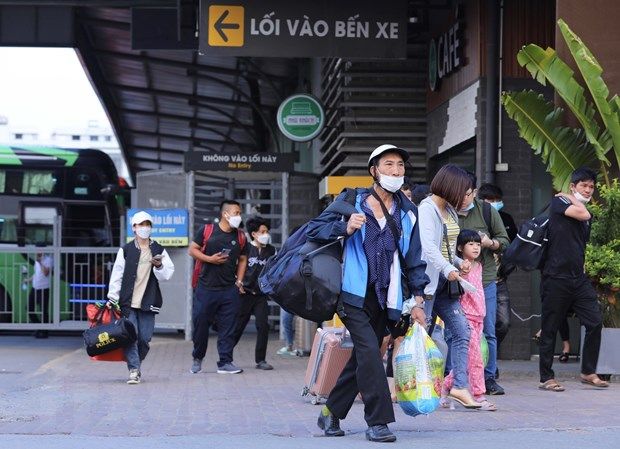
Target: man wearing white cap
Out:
[382,240]
[134,286]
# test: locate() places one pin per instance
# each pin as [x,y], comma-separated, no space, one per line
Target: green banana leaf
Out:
[562,149]
[545,65]
[591,71]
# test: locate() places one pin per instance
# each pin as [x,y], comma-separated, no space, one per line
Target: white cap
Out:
[141,216]
[387,148]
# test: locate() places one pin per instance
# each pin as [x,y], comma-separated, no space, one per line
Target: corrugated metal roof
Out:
[165,102]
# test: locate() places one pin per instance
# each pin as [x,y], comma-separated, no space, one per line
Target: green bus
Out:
[53,197]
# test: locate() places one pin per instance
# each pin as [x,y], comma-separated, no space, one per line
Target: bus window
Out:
[8,229]
[21,182]
[38,183]
[38,223]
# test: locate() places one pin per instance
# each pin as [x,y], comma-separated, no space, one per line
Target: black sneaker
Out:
[493,388]
[264,366]
[380,434]
[329,424]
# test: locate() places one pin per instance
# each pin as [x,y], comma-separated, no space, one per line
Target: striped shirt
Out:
[453,233]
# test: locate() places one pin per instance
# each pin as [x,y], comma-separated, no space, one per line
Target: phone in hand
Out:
[225,252]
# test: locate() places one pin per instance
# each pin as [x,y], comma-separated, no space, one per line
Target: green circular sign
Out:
[432,65]
[301,117]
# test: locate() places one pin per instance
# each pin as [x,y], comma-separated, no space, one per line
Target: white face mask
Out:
[234,221]
[264,239]
[144,232]
[581,198]
[391,183]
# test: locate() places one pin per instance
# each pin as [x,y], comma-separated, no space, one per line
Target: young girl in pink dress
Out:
[472,303]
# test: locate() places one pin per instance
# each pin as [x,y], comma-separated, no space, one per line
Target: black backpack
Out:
[527,250]
[305,278]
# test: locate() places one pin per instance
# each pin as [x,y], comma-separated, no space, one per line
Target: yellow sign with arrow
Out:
[226,26]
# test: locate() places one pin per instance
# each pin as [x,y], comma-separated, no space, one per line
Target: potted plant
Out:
[563,149]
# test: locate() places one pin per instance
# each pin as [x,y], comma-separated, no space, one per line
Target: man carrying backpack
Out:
[564,284]
[381,237]
[221,254]
[480,216]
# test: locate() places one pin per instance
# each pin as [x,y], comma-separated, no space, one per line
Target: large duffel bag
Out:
[104,338]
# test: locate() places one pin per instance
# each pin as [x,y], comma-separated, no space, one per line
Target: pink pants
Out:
[475,366]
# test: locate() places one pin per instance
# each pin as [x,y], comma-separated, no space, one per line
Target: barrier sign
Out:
[254,162]
[301,117]
[320,28]
[170,226]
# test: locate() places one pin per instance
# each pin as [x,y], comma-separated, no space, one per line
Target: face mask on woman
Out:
[144,232]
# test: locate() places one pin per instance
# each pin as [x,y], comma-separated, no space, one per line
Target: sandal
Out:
[551,385]
[594,382]
[564,357]
[487,406]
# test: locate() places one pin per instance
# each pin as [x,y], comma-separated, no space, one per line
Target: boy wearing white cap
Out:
[134,286]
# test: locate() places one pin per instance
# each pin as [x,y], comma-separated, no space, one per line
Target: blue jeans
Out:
[287,326]
[449,310]
[490,299]
[144,322]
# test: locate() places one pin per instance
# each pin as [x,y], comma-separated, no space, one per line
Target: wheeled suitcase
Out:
[331,350]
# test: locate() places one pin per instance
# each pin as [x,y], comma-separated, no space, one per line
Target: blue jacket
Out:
[329,226]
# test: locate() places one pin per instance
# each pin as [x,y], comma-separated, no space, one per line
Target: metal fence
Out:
[78,277]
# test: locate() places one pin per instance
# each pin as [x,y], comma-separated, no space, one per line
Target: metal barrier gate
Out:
[286,200]
[79,276]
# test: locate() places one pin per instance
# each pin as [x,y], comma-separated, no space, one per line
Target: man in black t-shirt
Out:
[216,299]
[254,302]
[564,283]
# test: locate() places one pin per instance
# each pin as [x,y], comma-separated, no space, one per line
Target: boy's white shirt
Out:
[162,273]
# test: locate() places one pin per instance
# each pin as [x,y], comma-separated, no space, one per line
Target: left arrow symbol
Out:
[220,26]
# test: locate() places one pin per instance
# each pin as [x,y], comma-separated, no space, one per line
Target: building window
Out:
[108,138]
[94,138]
[19,136]
[75,137]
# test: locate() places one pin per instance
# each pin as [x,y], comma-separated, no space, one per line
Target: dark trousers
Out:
[254,305]
[558,296]
[215,306]
[502,316]
[40,298]
[364,373]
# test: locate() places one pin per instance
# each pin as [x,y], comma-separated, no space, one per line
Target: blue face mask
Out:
[468,208]
[498,205]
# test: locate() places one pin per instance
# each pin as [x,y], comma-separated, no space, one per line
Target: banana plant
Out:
[562,148]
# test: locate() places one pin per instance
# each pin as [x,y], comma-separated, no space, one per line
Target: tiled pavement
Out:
[50,387]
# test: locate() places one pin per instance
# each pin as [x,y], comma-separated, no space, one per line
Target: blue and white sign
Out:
[170,226]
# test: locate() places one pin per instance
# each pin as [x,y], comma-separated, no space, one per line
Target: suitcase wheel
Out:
[315,400]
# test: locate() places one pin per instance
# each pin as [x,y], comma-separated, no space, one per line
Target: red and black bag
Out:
[103,338]
[107,316]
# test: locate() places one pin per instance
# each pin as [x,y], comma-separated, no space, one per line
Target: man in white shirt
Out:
[39,296]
